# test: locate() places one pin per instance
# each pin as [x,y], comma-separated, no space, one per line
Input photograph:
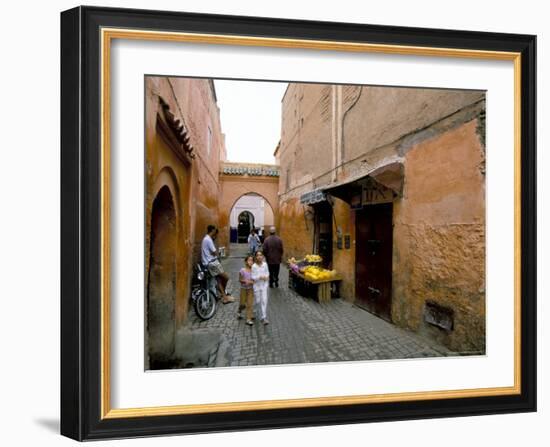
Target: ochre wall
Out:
[295,228]
[306,130]
[269,216]
[439,237]
[334,133]
[384,115]
[195,187]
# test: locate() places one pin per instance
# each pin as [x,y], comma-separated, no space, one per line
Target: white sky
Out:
[250,113]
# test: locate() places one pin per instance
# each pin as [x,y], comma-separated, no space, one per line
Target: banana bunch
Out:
[317,273]
[313,258]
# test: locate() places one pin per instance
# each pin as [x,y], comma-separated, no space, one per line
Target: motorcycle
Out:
[204,293]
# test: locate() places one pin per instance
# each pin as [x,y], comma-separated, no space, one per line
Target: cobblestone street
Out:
[304,331]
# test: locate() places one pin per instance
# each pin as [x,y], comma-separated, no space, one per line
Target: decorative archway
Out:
[245,223]
[161,289]
[234,187]
[250,211]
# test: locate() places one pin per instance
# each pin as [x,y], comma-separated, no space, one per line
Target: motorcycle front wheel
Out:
[205,305]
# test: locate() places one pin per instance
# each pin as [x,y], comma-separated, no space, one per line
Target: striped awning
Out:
[313,197]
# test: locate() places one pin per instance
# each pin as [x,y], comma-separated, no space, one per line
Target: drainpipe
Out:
[339,128]
[334,131]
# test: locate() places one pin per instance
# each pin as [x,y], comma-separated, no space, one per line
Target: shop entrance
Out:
[373,259]
[323,232]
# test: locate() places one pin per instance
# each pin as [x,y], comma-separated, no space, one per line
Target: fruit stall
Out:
[309,279]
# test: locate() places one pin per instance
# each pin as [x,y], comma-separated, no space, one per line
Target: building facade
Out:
[250,211]
[183,148]
[388,185]
[238,182]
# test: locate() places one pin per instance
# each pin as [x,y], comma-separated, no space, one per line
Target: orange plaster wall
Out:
[439,223]
[295,229]
[439,238]
[196,187]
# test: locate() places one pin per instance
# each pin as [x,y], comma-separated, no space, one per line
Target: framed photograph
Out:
[274,223]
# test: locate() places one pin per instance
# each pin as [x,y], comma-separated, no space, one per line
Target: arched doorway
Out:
[249,211]
[245,224]
[235,187]
[161,293]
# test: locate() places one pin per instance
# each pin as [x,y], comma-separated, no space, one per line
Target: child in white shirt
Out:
[260,276]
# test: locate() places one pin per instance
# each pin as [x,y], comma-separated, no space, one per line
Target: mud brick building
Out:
[184,145]
[388,185]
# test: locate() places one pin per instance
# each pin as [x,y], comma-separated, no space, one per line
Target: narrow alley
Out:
[302,330]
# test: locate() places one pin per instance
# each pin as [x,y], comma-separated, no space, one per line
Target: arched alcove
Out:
[250,210]
[161,291]
[245,223]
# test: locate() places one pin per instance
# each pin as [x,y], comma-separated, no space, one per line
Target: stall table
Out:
[323,290]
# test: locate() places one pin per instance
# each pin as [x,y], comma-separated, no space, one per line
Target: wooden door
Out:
[323,222]
[373,259]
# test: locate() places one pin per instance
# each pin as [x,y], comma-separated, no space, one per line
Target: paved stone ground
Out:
[304,331]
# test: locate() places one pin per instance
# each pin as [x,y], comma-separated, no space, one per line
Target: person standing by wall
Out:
[273,251]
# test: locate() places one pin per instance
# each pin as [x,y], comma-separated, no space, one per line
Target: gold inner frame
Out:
[107,35]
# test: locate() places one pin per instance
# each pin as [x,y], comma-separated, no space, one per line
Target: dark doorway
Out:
[161,293]
[373,259]
[323,232]
[246,223]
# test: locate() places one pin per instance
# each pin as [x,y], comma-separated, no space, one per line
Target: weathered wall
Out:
[304,153]
[197,102]
[439,238]
[330,132]
[334,133]
[295,228]
[397,112]
[269,217]
[194,187]
[306,126]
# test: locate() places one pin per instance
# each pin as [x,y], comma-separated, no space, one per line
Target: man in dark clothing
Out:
[273,252]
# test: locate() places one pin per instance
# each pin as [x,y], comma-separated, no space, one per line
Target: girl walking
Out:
[260,276]
[247,292]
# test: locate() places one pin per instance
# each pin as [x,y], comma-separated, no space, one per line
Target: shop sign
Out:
[373,192]
[315,196]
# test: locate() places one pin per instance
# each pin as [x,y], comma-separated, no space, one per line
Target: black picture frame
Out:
[81,216]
